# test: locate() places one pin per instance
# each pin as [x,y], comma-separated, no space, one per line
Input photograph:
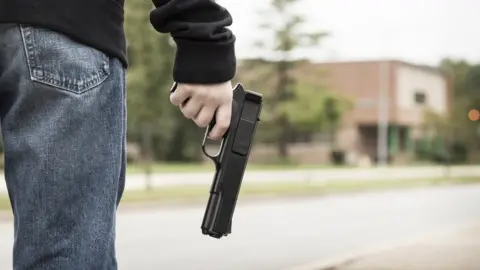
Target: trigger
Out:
[214,158]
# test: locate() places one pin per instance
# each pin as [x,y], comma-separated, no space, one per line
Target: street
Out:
[452,250]
[280,234]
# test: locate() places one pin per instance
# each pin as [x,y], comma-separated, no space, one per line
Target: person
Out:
[63,115]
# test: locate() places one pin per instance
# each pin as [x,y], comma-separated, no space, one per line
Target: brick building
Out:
[409,90]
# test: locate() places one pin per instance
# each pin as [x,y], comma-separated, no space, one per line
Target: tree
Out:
[159,127]
[460,133]
[147,81]
[292,105]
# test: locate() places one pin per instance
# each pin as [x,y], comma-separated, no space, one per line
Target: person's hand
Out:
[202,102]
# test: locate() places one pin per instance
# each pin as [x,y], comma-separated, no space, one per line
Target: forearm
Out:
[205,47]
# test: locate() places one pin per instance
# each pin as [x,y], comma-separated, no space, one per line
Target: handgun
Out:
[231,161]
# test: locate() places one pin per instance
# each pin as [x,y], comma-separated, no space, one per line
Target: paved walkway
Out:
[456,251]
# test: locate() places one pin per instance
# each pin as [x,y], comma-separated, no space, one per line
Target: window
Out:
[420,98]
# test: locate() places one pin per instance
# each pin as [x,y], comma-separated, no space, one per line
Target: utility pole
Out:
[384,105]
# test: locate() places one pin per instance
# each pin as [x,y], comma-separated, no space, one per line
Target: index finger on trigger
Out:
[222,122]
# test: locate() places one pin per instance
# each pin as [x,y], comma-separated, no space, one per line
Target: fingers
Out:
[203,102]
[222,119]
[191,108]
[181,94]
[205,116]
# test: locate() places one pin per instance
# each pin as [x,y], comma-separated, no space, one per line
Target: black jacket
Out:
[205,47]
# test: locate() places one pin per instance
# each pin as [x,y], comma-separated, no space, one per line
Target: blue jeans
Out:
[63,119]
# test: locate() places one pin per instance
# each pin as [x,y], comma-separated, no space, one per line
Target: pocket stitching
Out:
[37,74]
[46,77]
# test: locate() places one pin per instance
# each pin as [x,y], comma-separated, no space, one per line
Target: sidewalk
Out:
[320,176]
[456,251]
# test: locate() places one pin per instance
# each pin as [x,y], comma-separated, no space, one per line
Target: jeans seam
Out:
[29,48]
[25,50]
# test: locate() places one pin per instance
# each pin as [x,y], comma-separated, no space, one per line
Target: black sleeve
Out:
[205,47]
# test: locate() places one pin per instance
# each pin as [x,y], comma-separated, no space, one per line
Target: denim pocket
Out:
[60,62]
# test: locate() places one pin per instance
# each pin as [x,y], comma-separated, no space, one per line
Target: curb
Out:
[343,260]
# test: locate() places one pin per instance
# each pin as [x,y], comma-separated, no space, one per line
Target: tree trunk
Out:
[283,95]
[147,138]
[177,145]
[283,140]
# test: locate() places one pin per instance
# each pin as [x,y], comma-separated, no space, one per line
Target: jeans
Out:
[63,120]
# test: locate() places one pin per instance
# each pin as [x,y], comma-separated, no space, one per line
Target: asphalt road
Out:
[277,235]
[136,182]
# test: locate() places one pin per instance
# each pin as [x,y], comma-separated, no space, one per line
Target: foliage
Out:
[153,122]
[293,105]
[460,134]
[313,108]
[466,94]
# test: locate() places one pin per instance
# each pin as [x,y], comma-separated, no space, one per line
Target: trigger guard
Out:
[213,158]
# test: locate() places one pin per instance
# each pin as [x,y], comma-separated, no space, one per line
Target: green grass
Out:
[206,167]
[209,167]
[190,194]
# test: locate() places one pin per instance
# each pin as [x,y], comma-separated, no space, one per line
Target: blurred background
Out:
[359,96]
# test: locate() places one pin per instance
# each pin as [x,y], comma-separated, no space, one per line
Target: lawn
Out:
[205,167]
[191,194]
[208,167]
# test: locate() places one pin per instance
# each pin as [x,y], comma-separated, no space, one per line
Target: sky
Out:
[418,31]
